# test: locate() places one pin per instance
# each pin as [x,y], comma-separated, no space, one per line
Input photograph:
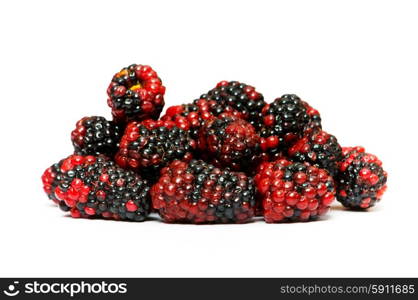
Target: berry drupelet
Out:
[284,121]
[136,93]
[236,96]
[197,192]
[293,191]
[361,180]
[149,145]
[93,186]
[95,135]
[318,148]
[229,142]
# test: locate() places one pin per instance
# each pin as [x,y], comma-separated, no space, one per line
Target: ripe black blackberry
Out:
[318,148]
[293,191]
[95,135]
[361,180]
[236,96]
[136,93]
[90,186]
[150,145]
[197,192]
[284,121]
[229,142]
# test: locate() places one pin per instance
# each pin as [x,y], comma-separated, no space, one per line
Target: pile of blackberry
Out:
[226,157]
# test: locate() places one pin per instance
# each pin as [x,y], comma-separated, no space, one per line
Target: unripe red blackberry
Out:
[149,145]
[318,148]
[95,135]
[197,192]
[229,142]
[93,186]
[293,191]
[361,180]
[236,96]
[284,121]
[136,93]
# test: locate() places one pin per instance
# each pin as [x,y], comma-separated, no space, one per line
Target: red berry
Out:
[291,191]
[95,186]
[229,142]
[136,93]
[149,145]
[361,180]
[197,192]
[318,147]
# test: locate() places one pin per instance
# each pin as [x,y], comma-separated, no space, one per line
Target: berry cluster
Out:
[320,148]
[150,145]
[93,186]
[225,157]
[236,96]
[198,192]
[361,179]
[293,191]
[228,142]
[95,135]
[136,93]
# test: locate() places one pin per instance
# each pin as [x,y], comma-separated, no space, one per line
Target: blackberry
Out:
[229,142]
[284,121]
[150,145]
[93,186]
[136,93]
[189,117]
[236,96]
[361,180]
[318,148]
[315,120]
[197,192]
[95,135]
[293,191]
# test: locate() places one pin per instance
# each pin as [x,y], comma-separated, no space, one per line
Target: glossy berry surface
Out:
[236,96]
[228,142]
[95,135]
[197,192]
[319,148]
[93,186]
[136,93]
[293,191]
[149,145]
[284,121]
[361,180]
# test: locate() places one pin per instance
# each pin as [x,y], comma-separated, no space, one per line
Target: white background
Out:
[355,61]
